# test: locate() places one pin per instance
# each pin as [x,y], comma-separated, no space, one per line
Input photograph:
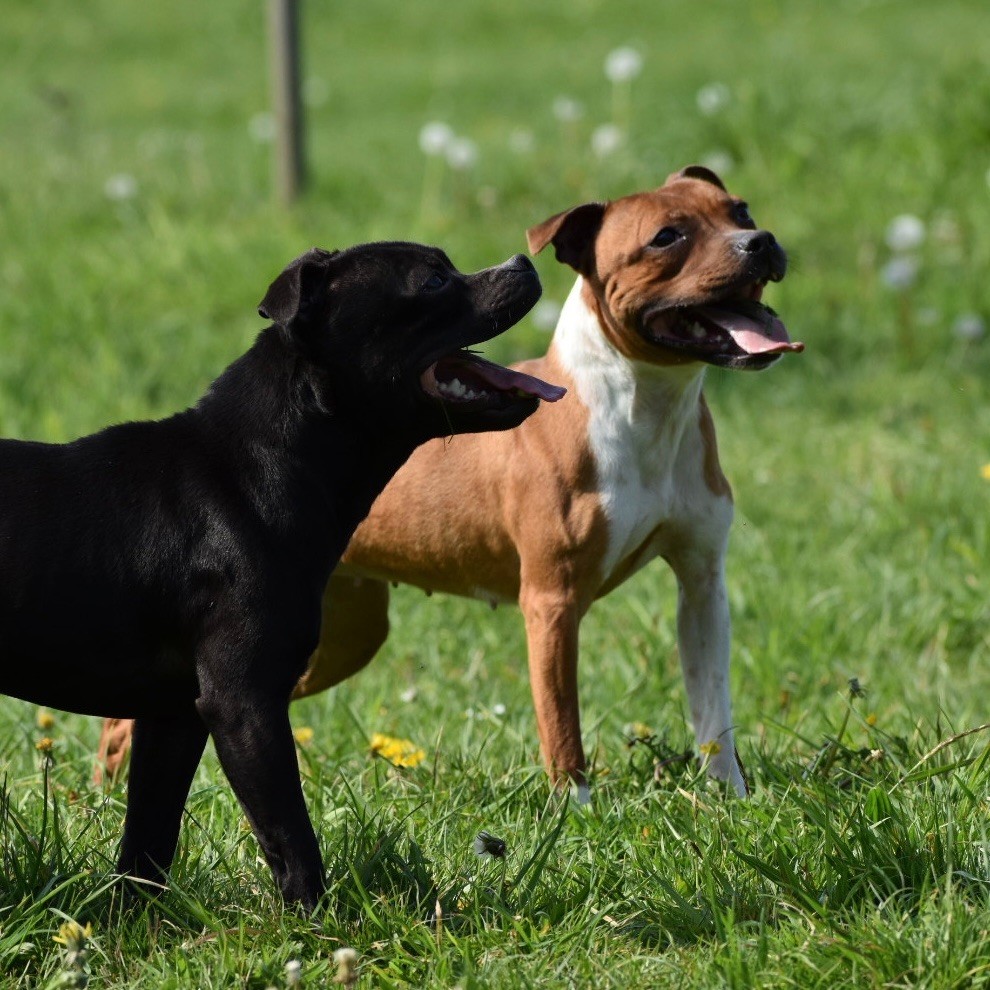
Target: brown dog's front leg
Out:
[552,637]
[253,740]
[164,755]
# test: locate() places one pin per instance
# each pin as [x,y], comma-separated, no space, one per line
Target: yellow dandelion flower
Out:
[711,748]
[985,472]
[44,744]
[72,935]
[640,730]
[871,719]
[398,752]
[303,735]
[44,719]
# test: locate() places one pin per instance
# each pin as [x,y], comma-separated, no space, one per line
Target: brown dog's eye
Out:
[666,237]
[741,213]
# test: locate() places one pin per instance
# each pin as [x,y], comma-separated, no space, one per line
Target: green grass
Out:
[862,535]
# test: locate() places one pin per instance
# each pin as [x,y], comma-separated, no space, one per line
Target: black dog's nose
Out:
[520,263]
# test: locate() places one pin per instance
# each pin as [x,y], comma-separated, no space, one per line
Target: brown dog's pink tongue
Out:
[761,333]
[506,379]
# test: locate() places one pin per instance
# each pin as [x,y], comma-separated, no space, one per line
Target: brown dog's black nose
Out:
[764,256]
[758,242]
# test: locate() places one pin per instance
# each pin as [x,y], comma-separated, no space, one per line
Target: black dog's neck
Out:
[313,448]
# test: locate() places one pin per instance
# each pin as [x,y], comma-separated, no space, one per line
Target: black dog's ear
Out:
[698,172]
[572,234]
[301,285]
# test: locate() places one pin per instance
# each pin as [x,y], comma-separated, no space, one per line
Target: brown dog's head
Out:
[676,275]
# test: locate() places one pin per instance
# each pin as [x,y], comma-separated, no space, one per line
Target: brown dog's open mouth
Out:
[467,379]
[736,332]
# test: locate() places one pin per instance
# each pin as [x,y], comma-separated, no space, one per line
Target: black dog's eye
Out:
[741,214]
[666,237]
[435,281]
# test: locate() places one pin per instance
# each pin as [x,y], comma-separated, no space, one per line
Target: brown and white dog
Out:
[561,510]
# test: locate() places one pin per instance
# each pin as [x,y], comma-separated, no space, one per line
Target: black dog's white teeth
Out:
[456,389]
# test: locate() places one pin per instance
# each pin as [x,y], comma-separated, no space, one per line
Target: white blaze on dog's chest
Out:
[638,415]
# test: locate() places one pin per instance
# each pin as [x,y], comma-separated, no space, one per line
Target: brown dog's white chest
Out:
[651,440]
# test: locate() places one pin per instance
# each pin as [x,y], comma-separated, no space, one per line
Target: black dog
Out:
[172,571]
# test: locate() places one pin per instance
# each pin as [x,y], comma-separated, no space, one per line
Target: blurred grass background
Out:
[139,233]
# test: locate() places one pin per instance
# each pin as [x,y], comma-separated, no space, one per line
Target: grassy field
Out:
[139,233]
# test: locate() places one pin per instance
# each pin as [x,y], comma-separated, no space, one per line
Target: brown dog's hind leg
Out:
[164,755]
[353,627]
[115,742]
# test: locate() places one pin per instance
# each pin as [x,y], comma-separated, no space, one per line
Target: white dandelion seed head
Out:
[522,141]
[345,956]
[567,110]
[545,315]
[261,127]
[900,273]
[969,326]
[606,140]
[435,137]
[905,233]
[712,97]
[462,154]
[623,64]
[498,709]
[409,695]
[120,187]
[293,972]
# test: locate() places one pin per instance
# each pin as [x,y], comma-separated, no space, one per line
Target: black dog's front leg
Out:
[164,755]
[253,739]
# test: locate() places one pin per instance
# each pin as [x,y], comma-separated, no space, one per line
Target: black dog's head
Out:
[388,324]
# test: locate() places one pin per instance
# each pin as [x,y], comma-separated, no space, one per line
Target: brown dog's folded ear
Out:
[301,285]
[698,172]
[572,234]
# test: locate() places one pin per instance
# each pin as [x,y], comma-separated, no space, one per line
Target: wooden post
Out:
[283,44]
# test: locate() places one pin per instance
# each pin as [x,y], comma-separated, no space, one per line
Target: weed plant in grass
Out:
[138,234]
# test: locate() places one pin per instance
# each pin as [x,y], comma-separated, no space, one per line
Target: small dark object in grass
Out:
[487,844]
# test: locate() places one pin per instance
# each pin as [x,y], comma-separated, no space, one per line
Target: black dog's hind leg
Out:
[253,739]
[165,752]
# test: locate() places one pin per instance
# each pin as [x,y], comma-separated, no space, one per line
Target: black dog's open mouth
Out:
[468,380]
[736,331]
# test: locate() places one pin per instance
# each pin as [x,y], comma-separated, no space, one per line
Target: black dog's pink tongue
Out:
[753,327]
[505,379]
